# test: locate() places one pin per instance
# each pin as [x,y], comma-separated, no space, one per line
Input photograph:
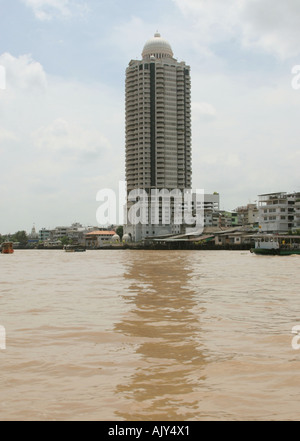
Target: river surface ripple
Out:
[149,336]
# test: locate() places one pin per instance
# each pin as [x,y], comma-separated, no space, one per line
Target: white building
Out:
[44,234]
[59,233]
[75,233]
[248,215]
[296,225]
[158,128]
[99,238]
[279,212]
[210,206]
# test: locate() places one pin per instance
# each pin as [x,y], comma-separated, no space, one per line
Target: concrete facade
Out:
[279,212]
[158,127]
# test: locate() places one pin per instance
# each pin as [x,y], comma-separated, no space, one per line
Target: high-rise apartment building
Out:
[158,127]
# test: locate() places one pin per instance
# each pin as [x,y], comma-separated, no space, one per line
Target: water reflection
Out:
[165,325]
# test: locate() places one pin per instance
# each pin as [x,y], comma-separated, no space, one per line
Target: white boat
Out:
[276,244]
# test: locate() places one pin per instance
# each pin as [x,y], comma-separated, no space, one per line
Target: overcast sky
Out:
[62,112]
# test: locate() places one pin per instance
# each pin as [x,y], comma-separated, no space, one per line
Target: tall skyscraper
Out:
[158,127]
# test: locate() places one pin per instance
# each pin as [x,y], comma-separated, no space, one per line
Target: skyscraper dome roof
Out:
[157,47]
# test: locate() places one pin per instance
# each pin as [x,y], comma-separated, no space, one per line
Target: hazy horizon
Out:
[62,113]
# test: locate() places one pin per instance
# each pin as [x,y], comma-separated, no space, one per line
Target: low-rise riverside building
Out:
[44,234]
[296,224]
[247,215]
[75,233]
[279,212]
[233,238]
[99,238]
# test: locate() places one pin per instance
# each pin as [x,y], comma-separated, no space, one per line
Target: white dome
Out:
[126,238]
[158,47]
[116,238]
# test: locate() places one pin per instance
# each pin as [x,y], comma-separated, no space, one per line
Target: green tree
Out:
[65,240]
[21,237]
[120,231]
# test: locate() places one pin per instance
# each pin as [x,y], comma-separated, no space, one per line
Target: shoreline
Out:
[168,247]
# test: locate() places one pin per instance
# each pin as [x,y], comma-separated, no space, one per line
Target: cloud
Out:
[61,140]
[48,9]
[6,138]
[203,111]
[128,38]
[70,141]
[272,26]
[267,25]
[252,139]
[23,72]
[6,135]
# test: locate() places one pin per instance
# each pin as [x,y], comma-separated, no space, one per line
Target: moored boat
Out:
[276,244]
[7,248]
[75,249]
